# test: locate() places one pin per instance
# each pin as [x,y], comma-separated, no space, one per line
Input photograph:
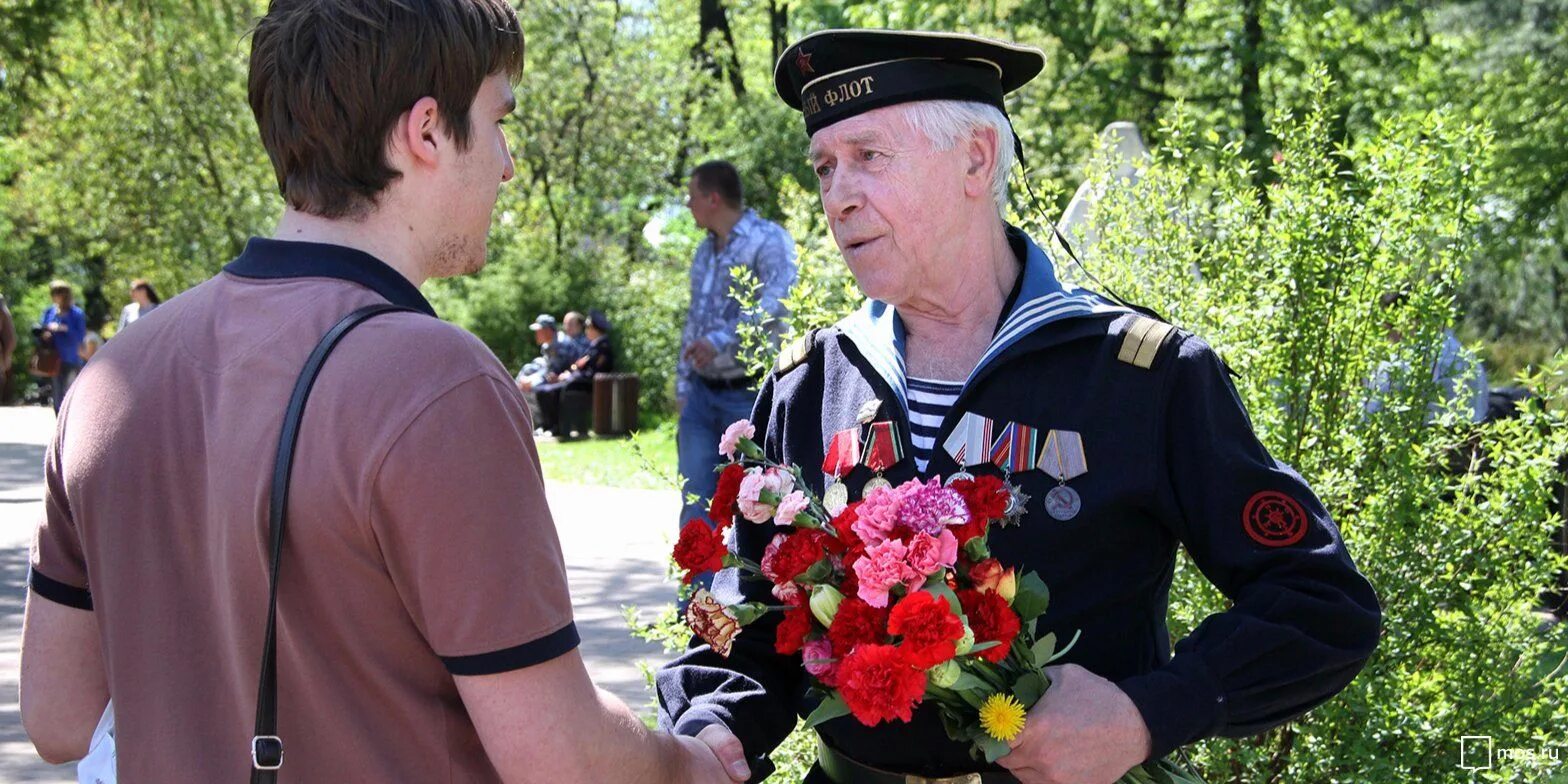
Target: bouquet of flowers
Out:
[892,601]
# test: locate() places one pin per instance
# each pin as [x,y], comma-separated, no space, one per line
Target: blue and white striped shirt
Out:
[929,401]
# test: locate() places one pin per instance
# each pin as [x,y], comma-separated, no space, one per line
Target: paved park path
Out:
[615,542]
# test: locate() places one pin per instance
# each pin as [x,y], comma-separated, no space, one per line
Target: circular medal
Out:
[960,476]
[876,483]
[835,498]
[1063,503]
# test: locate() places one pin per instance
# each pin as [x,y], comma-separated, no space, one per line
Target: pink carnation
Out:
[930,554]
[791,505]
[775,483]
[931,507]
[741,428]
[818,655]
[884,567]
[878,514]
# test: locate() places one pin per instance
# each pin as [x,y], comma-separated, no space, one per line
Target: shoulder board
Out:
[794,353]
[1142,338]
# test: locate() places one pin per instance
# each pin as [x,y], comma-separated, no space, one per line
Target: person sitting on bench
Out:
[599,359]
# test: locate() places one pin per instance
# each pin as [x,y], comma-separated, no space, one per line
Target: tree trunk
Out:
[778,27]
[1252,123]
[713,22]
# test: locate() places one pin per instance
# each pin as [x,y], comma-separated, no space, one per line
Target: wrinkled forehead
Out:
[887,126]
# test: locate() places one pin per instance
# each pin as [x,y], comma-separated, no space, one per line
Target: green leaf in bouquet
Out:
[820,572]
[831,707]
[984,646]
[1043,649]
[939,587]
[1032,598]
[1030,688]
[992,748]
[1063,652]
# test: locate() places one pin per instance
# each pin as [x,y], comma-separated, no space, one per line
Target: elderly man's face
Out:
[890,199]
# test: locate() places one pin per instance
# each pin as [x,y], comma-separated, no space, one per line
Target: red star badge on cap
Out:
[803,62]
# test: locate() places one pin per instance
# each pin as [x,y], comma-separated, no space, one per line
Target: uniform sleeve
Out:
[1303,621]
[753,692]
[59,567]
[459,512]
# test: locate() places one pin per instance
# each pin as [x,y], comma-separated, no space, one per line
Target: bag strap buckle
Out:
[266,752]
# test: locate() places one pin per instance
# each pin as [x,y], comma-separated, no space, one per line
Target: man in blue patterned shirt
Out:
[712,387]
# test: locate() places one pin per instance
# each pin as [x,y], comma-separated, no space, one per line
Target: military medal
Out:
[1014,450]
[968,444]
[843,453]
[1063,457]
[883,450]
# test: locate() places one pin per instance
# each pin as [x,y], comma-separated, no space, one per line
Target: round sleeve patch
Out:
[1274,519]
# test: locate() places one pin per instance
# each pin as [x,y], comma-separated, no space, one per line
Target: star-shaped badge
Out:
[803,62]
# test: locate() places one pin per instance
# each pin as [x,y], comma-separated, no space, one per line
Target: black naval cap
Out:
[833,75]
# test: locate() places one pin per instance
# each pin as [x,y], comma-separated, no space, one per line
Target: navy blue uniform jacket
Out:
[1172,460]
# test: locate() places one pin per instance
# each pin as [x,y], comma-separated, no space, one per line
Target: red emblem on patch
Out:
[803,62]
[1274,519]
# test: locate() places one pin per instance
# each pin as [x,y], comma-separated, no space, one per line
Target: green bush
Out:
[1450,521]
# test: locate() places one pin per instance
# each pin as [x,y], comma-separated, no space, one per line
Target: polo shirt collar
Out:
[1039,300]
[270,259]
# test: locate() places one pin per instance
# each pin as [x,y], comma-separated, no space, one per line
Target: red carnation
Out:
[722,508]
[991,619]
[700,549]
[792,631]
[930,629]
[986,497]
[797,553]
[855,623]
[879,684]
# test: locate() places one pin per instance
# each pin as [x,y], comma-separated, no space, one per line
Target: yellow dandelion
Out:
[1002,716]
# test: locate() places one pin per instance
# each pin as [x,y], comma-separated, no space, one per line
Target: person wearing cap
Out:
[599,358]
[1137,445]
[556,355]
[712,387]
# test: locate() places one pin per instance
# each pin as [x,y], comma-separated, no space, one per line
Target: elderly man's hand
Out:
[1084,731]
[700,353]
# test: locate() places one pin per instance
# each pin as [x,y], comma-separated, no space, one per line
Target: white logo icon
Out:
[1475,752]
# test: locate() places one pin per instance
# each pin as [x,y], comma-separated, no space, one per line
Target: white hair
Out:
[946,123]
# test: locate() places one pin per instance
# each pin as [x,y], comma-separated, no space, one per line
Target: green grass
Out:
[646,461]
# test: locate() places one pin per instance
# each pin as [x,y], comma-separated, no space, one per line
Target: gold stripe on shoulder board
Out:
[1142,340]
[793,354]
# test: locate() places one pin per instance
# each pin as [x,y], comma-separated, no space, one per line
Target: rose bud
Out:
[1008,586]
[986,575]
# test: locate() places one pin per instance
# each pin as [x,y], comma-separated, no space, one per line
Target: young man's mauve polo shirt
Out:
[419,548]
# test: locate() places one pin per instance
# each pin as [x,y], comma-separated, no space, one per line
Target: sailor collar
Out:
[1039,300]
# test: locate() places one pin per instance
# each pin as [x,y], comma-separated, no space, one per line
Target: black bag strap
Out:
[266,748]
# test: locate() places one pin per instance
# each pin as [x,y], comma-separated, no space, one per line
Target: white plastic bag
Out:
[98,766]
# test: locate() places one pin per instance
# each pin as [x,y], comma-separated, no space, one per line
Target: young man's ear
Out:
[418,131]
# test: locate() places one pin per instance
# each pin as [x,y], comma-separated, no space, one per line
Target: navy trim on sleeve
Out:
[515,658]
[58,592]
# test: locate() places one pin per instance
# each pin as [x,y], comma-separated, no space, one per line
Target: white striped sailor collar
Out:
[878,332]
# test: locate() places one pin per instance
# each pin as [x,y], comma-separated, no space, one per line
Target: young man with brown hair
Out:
[425,631]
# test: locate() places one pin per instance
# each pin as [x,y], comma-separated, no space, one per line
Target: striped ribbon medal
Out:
[1063,457]
[883,450]
[843,453]
[969,444]
[1015,448]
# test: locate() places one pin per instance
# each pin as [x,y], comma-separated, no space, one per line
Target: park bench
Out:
[610,407]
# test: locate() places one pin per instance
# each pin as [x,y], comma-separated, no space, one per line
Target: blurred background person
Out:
[144,298]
